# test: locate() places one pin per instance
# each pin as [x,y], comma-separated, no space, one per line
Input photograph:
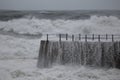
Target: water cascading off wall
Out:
[98,54]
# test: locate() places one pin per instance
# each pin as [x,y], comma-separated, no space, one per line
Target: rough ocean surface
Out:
[21,32]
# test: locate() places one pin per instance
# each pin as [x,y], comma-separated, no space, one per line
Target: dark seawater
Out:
[67,15]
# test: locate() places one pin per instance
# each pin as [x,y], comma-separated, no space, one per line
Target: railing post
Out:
[93,37]
[72,37]
[106,36]
[66,36]
[47,37]
[60,37]
[85,38]
[79,36]
[99,38]
[112,38]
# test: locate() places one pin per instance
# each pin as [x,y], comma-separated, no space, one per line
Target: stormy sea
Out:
[22,31]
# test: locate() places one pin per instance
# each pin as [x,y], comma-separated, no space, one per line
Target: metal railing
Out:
[89,37]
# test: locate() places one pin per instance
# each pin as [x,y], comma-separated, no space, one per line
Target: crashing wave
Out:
[35,26]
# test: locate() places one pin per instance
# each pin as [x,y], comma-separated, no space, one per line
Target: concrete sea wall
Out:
[98,54]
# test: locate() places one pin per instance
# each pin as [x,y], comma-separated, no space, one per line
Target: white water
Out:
[17,54]
[97,25]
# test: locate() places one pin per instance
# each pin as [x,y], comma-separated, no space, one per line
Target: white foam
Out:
[25,69]
[97,25]
[12,48]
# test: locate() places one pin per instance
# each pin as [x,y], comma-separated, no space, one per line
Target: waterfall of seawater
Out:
[99,54]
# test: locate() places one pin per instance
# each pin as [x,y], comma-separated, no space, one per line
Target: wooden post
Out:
[112,38]
[106,36]
[66,36]
[85,38]
[99,38]
[72,37]
[79,36]
[60,37]
[93,37]
[47,37]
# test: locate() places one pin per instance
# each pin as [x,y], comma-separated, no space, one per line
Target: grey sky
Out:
[59,4]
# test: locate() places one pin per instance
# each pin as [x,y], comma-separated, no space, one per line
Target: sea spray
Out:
[98,54]
[95,24]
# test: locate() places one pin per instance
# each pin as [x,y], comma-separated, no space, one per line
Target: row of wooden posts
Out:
[93,37]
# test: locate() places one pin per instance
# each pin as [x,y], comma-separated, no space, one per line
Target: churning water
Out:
[21,32]
[52,22]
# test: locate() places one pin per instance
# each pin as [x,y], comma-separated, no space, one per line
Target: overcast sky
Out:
[59,4]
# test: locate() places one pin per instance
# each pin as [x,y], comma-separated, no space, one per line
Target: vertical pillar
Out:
[85,38]
[47,37]
[99,38]
[112,38]
[66,36]
[93,37]
[79,36]
[60,37]
[72,37]
[106,37]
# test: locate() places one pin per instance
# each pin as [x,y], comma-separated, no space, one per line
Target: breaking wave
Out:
[35,27]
